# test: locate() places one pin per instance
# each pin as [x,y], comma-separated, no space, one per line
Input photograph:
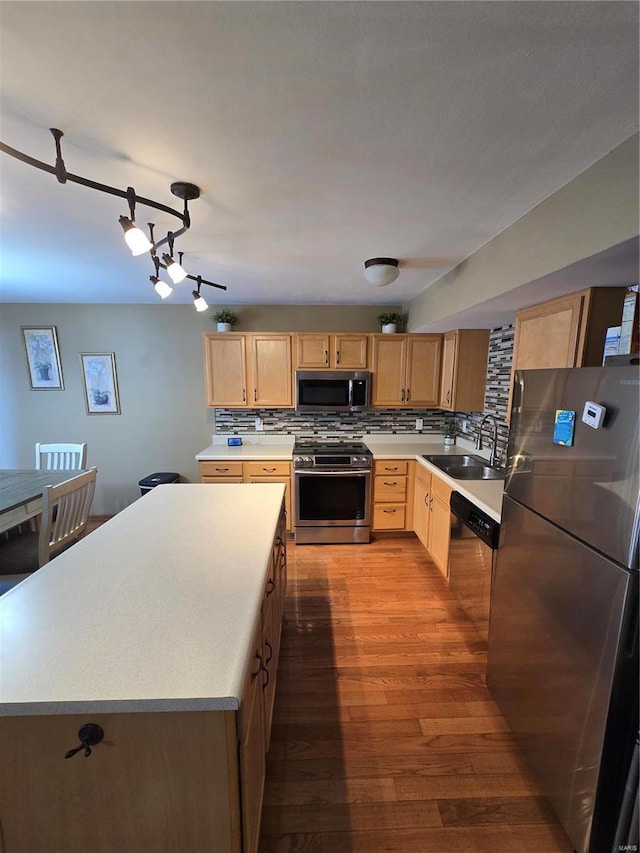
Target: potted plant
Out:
[225,320]
[389,321]
[450,432]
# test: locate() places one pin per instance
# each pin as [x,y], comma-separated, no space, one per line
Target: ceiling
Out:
[320,133]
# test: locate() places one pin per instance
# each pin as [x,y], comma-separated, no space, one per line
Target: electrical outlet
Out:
[259,426]
[465,426]
[419,423]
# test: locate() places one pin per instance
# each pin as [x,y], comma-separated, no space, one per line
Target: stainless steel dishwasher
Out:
[474,539]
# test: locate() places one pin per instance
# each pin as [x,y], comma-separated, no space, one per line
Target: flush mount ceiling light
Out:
[381,271]
[135,238]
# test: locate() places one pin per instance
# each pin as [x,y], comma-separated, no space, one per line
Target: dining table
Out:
[21,493]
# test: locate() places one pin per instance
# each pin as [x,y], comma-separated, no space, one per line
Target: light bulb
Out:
[135,239]
[199,302]
[176,272]
[161,287]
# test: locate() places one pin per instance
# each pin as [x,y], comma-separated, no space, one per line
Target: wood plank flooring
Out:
[385,737]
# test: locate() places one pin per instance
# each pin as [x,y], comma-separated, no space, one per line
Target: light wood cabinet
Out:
[324,350]
[393,494]
[465,354]
[566,332]
[260,471]
[432,516]
[248,370]
[406,370]
[191,781]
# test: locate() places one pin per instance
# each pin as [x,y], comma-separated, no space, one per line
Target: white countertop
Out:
[153,611]
[486,494]
[252,448]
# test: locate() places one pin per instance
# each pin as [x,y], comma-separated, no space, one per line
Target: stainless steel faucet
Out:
[493,458]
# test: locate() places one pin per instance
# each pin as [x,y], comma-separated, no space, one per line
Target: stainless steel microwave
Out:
[332,390]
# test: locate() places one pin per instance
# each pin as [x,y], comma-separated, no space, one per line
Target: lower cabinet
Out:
[159,782]
[262,471]
[393,494]
[432,516]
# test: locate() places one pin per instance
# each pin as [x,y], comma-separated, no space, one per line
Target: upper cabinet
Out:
[406,370]
[465,354]
[318,350]
[248,370]
[566,332]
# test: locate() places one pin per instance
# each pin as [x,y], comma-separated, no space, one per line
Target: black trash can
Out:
[159,479]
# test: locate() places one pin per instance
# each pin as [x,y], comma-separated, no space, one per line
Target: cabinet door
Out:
[349,351]
[389,366]
[448,366]
[422,381]
[421,498]
[440,533]
[225,369]
[270,651]
[271,370]
[312,350]
[547,335]
[252,748]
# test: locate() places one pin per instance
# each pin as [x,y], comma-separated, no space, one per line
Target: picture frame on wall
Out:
[43,358]
[100,383]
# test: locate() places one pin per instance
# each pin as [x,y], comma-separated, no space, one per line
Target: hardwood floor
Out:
[385,737]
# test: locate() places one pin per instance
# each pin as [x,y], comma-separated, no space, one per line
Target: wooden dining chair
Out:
[65,512]
[61,457]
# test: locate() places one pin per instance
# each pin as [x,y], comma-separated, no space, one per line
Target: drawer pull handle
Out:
[221,469]
[268,469]
[90,734]
[271,585]
[390,484]
[395,468]
[388,510]
[255,674]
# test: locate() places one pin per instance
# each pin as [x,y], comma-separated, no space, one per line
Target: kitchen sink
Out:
[465,467]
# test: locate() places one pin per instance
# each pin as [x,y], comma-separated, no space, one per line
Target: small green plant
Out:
[224,316]
[389,317]
[451,430]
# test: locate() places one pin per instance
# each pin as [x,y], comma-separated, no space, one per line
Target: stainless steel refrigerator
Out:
[563,635]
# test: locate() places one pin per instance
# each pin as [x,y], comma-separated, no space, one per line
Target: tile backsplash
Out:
[354,425]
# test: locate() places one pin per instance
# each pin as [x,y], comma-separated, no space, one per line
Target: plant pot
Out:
[389,328]
[449,440]
[224,327]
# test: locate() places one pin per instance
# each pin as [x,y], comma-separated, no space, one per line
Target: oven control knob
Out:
[362,461]
[303,461]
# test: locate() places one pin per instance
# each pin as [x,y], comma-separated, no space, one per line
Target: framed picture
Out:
[100,383]
[43,358]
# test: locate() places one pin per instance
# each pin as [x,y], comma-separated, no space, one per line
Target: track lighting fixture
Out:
[161,287]
[199,302]
[133,235]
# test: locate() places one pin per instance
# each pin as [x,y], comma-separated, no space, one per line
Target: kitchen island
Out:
[162,628]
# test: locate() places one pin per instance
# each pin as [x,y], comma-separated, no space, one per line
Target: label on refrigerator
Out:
[563,427]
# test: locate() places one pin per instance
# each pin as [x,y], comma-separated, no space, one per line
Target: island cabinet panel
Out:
[158,783]
[406,370]
[324,350]
[165,778]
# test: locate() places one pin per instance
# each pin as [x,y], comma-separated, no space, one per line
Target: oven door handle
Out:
[314,472]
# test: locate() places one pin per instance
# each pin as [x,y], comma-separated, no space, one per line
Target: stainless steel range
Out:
[332,492]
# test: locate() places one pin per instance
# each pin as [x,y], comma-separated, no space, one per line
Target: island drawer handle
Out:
[255,674]
[272,587]
[89,735]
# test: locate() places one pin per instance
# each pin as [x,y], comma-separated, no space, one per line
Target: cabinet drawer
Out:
[390,488]
[267,469]
[440,489]
[389,516]
[390,466]
[221,469]
[205,478]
